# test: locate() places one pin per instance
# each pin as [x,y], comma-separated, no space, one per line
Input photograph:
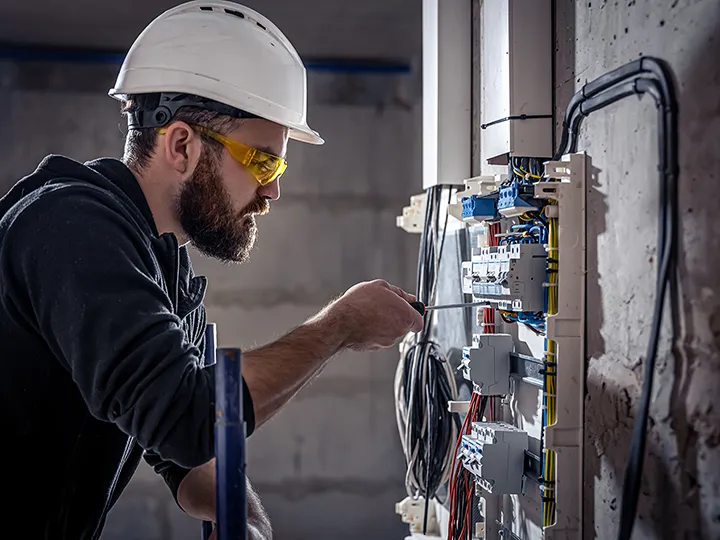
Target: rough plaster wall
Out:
[680,496]
[329,465]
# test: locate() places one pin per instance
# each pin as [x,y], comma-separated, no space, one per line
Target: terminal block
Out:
[511,276]
[413,216]
[487,363]
[494,453]
[412,512]
[476,208]
[516,199]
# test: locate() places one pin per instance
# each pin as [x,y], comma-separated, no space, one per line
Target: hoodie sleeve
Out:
[81,275]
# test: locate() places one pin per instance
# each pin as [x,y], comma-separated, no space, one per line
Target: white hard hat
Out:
[225,52]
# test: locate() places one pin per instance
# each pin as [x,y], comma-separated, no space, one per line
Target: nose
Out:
[270,191]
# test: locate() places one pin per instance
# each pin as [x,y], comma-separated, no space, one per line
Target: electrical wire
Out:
[461,481]
[424,380]
[653,77]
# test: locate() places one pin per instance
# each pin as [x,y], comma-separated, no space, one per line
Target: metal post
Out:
[210,344]
[230,447]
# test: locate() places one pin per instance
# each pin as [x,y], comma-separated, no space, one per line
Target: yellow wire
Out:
[522,172]
[550,375]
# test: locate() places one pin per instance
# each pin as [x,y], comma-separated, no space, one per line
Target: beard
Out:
[207,216]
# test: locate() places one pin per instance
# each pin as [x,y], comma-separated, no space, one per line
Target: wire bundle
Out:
[547,481]
[424,381]
[422,390]
[549,372]
[461,483]
[525,170]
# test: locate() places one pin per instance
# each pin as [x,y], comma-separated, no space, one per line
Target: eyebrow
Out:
[269,150]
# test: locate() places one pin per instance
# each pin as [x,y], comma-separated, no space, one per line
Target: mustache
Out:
[259,206]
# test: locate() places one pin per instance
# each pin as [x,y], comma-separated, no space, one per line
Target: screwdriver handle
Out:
[419,307]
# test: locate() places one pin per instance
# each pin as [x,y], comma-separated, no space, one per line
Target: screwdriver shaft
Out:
[452,306]
[422,308]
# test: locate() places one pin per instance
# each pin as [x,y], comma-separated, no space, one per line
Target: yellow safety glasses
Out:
[263,166]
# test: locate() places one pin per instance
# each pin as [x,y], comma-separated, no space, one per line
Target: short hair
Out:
[140,142]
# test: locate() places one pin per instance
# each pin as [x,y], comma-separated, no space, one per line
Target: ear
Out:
[181,147]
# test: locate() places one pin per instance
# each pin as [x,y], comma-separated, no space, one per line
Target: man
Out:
[101,316]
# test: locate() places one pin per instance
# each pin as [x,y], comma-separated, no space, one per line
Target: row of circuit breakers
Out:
[494,452]
[511,278]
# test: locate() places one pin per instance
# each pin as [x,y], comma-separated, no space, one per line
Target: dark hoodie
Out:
[101,349]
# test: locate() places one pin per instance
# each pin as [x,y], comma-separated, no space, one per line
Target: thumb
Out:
[418,321]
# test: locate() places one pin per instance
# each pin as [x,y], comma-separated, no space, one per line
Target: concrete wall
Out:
[680,496]
[329,465]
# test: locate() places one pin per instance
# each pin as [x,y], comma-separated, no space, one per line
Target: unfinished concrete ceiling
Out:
[372,28]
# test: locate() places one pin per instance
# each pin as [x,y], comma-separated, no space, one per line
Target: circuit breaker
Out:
[487,363]
[494,452]
[511,276]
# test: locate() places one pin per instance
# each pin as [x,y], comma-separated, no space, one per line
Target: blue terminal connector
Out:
[516,196]
[480,208]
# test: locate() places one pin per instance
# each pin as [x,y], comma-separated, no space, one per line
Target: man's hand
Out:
[375,315]
[369,316]
[196,495]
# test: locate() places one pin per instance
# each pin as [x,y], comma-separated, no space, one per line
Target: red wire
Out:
[489,313]
[458,468]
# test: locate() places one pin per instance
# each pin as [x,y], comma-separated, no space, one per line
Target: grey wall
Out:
[680,497]
[330,464]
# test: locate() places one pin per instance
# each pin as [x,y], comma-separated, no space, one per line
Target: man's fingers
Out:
[418,322]
[401,293]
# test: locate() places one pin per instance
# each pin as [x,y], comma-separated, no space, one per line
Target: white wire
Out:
[416,486]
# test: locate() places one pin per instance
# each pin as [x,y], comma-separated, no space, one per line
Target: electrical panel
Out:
[518,454]
[487,363]
[494,453]
[510,276]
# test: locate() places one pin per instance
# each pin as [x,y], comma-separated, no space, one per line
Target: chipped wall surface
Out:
[680,495]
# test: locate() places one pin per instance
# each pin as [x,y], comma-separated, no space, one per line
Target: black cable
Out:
[652,77]
[426,388]
[645,65]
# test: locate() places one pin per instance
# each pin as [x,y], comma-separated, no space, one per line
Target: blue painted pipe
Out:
[230,447]
[23,53]
[210,345]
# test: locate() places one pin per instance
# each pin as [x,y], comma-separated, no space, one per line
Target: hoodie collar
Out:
[119,174]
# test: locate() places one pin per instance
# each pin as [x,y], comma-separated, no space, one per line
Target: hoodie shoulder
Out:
[65,183]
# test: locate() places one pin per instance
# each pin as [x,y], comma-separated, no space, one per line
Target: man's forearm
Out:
[276,372]
[196,495]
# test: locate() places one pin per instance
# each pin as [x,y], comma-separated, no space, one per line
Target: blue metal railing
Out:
[231,494]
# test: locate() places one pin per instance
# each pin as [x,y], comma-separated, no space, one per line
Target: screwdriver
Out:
[422,309]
